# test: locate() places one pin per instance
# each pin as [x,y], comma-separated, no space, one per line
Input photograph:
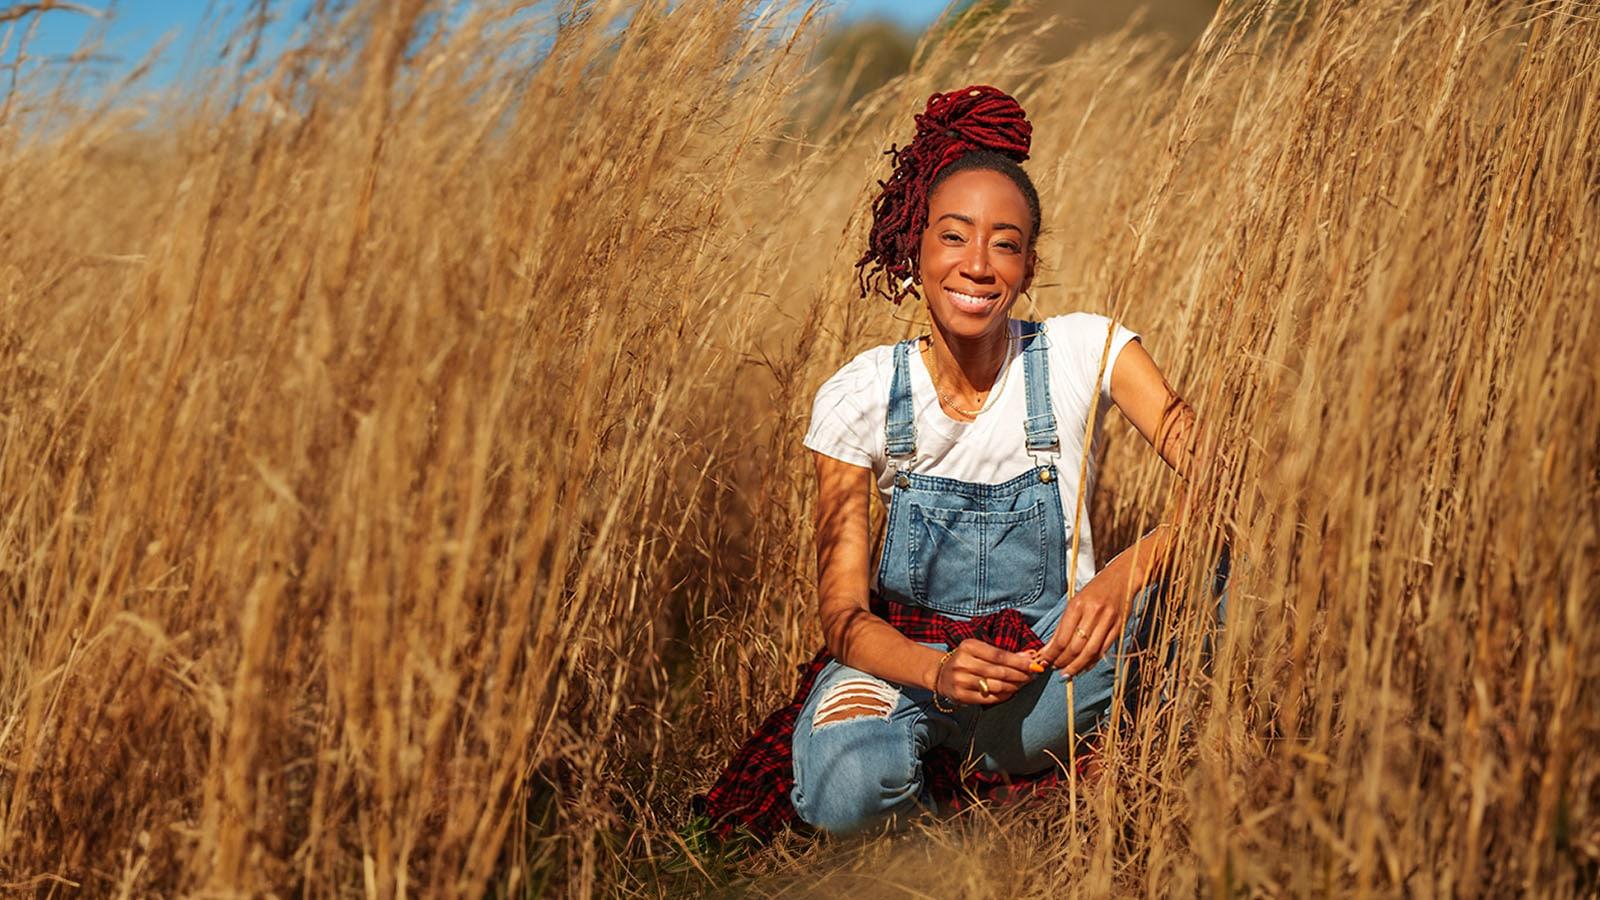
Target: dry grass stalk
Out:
[401,491]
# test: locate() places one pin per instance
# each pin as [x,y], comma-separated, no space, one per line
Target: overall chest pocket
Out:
[969,562]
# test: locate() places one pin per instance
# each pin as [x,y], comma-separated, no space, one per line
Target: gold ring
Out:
[983,686]
[1083,634]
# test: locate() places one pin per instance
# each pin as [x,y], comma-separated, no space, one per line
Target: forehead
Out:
[980,194]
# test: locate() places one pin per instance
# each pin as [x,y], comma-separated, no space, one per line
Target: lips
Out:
[971,303]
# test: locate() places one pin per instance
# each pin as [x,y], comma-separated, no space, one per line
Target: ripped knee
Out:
[856,698]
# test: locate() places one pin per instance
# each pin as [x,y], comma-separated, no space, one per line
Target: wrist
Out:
[1147,555]
[941,701]
[930,671]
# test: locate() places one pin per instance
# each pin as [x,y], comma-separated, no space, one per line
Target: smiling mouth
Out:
[971,303]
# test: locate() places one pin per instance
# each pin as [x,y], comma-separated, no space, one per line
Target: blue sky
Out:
[135,27]
[911,14]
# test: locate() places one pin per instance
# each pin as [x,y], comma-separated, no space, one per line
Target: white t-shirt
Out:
[848,415]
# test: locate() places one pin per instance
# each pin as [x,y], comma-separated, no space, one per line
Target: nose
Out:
[975,262]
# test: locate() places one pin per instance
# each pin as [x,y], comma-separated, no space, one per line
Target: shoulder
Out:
[1076,331]
[1082,342]
[1077,326]
[858,392]
[866,370]
[847,414]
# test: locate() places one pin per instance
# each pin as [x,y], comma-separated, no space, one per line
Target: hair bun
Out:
[979,117]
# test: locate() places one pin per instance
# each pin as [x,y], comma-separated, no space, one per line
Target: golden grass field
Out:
[401,488]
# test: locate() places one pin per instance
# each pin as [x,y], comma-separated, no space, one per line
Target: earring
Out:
[913,278]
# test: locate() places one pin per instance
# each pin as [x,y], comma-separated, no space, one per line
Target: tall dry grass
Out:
[401,490]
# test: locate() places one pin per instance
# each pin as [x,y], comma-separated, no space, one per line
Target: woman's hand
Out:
[1092,623]
[983,674]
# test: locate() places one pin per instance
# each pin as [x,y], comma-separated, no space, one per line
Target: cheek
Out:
[933,259]
[1013,269]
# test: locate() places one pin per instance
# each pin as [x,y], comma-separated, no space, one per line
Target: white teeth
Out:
[970,302]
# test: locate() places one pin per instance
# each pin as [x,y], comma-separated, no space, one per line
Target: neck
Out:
[970,365]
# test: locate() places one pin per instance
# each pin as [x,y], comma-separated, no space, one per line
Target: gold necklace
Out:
[994,388]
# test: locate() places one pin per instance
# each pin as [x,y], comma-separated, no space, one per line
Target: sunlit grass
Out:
[401,486]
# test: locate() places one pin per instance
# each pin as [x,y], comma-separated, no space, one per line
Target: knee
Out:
[855,697]
[848,791]
[853,765]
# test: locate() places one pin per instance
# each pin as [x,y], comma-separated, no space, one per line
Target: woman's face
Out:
[977,252]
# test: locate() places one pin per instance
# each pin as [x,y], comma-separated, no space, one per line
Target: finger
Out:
[997,674]
[1035,663]
[1089,655]
[993,672]
[1088,650]
[995,656]
[998,690]
[1061,642]
[1053,651]
[1112,636]
[1046,656]
[1077,641]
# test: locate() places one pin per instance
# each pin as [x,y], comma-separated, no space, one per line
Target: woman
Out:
[973,436]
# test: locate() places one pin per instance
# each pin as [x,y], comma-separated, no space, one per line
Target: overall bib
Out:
[962,550]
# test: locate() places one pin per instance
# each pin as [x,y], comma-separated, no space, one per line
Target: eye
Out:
[1011,245]
[951,236]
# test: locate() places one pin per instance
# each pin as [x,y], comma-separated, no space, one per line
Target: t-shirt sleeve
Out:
[845,422]
[1083,339]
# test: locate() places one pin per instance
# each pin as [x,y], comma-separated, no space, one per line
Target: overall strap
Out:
[900,428]
[1041,421]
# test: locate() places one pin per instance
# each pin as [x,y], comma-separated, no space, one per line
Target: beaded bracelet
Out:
[937,671]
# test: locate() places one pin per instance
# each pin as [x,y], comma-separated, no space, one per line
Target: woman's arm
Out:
[1140,390]
[862,640]
[1094,620]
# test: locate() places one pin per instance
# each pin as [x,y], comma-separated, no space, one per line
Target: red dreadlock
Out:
[979,117]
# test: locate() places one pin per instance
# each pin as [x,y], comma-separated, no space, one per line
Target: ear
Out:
[1033,263]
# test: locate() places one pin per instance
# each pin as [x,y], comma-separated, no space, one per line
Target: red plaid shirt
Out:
[752,794]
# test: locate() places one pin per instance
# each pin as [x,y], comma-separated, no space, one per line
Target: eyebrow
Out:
[998,226]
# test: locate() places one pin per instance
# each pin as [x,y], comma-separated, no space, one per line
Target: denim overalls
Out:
[962,550]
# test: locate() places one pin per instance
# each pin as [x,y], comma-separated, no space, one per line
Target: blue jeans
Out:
[855,772]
